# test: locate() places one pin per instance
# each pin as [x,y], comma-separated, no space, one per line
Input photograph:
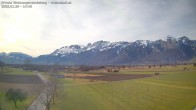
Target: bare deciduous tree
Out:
[15,95]
[46,96]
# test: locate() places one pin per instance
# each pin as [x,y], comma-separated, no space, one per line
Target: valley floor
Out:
[171,90]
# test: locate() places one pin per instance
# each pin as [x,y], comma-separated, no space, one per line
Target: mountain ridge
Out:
[169,50]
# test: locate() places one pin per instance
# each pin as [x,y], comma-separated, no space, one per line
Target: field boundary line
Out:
[162,70]
[77,84]
[101,82]
[166,85]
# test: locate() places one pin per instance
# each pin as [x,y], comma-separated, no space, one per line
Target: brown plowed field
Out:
[79,75]
[117,77]
[28,79]
[108,77]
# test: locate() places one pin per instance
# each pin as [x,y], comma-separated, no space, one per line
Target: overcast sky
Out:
[43,29]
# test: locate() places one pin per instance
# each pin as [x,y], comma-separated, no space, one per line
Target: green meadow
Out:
[173,89]
[32,90]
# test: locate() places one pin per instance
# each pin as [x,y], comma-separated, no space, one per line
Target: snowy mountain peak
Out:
[99,45]
[170,38]
[143,42]
[184,40]
[68,49]
[102,46]
[96,46]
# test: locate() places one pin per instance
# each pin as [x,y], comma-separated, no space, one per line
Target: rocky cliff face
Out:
[170,50]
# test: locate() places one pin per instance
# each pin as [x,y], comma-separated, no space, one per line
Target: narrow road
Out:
[40,102]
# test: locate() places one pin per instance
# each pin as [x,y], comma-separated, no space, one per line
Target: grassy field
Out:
[7,105]
[16,71]
[32,91]
[172,90]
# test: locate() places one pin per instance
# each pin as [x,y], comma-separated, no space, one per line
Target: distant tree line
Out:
[34,67]
[2,64]
[3,67]
[57,67]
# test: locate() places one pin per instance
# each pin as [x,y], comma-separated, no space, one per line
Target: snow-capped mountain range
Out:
[97,46]
[169,50]
[14,57]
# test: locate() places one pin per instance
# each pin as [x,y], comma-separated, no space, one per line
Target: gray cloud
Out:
[114,20]
[130,19]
